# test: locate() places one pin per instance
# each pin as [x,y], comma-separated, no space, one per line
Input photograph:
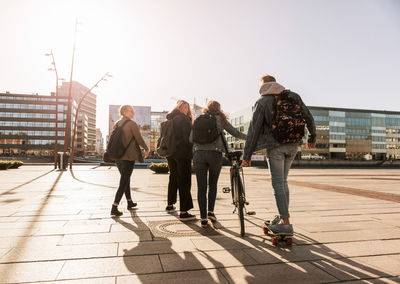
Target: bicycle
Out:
[237,188]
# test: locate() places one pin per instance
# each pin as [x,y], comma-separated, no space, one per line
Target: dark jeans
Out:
[207,163]
[125,168]
[180,178]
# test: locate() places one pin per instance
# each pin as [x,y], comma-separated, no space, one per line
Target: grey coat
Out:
[218,144]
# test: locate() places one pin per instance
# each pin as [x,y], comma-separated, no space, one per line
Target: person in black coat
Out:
[180,163]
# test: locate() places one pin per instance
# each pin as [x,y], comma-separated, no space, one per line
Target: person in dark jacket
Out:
[280,156]
[207,161]
[126,163]
[180,163]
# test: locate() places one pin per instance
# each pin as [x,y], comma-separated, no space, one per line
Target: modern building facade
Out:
[343,133]
[27,124]
[88,107]
[99,142]
[81,134]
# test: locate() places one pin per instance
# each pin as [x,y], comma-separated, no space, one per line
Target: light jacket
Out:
[131,129]
[260,134]
[218,144]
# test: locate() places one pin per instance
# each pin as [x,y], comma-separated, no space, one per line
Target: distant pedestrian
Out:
[209,144]
[131,139]
[278,122]
[180,161]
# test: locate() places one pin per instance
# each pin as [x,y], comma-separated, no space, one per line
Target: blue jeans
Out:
[207,163]
[279,161]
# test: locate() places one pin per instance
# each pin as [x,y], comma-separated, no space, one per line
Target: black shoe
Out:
[131,205]
[170,208]
[187,217]
[204,223]
[211,216]
[115,212]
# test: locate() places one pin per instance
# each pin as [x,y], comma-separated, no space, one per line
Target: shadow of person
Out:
[169,260]
[336,266]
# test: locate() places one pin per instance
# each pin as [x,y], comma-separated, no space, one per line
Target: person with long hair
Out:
[180,162]
[132,139]
[207,161]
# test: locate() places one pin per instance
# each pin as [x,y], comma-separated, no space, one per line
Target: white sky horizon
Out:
[333,53]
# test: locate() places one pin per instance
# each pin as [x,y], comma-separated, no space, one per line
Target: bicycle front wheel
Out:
[240,204]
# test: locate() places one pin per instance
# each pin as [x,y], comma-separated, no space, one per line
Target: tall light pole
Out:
[69,112]
[54,68]
[104,78]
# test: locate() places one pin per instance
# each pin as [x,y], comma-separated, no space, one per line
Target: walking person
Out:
[278,122]
[131,140]
[180,162]
[208,148]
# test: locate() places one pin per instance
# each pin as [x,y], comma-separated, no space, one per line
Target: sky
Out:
[340,53]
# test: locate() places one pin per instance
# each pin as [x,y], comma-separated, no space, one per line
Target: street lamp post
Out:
[69,112]
[104,78]
[54,68]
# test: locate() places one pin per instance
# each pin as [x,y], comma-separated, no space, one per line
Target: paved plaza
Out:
[55,226]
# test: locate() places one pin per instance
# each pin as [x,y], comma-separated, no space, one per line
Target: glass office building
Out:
[27,124]
[344,133]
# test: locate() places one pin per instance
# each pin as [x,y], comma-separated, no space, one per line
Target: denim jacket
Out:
[260,134]
[218,144]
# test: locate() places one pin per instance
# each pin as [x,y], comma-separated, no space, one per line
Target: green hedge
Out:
[4,165]
[159,168]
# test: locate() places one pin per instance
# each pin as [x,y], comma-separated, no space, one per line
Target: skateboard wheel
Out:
[265,230]
[274,241]
[289,241]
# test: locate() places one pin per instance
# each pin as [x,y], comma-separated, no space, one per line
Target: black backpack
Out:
[166,144]
[288,121]
[115,148]
[205,129]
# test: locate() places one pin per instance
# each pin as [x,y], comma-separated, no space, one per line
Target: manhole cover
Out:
[165,229]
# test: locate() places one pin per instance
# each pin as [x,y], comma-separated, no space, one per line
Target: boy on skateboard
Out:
[279,118]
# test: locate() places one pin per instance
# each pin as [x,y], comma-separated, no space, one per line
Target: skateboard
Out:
[276,238]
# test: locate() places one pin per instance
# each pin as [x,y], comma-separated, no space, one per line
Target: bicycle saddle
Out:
[234,154]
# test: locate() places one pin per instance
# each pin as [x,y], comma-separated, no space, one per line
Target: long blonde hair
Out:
[214,108]
[179,107]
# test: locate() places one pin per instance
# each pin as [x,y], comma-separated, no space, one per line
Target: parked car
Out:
[312,157]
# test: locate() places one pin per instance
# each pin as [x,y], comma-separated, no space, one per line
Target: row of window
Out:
[31,133]
[28,106]
[237,120]
[28,115]
[360,121]
[30,124]
[32,98]
[27,142]
[378,146]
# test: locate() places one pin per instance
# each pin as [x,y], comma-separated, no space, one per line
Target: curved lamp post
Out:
[54,68]
[104,78]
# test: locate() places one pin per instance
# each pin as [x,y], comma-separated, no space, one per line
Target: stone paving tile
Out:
[201,260]
[300,272]
[221,243]
[103,238]
[390,280]
[115,266]
[366,248]
[10,242]
[18,232]
[156,247]
[343,226]
[37,225]
[361,267]
[129,227]
[73,230]
[30,272]
[23,254]
[103,280]
[207,276]
[53,218]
